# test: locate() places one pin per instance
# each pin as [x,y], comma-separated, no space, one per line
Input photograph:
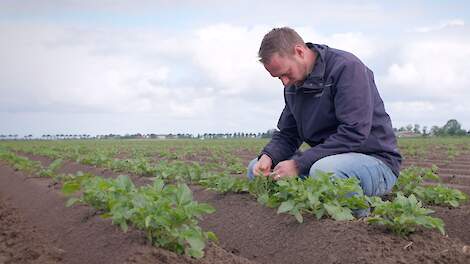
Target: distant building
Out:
[406,134]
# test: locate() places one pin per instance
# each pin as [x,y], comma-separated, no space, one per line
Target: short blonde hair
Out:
[278,40]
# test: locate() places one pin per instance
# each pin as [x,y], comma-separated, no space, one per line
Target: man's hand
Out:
[263,166]
[287,168]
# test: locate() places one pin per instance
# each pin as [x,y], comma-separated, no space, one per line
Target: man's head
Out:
[285,56]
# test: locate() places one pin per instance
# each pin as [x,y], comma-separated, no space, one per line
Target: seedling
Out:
[403,215]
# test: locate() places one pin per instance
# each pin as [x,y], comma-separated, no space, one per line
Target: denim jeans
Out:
[376,178]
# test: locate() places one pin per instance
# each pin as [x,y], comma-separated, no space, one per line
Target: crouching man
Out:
[332,104]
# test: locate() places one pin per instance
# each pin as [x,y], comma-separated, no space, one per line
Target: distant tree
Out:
[453,128]
[416,129]
[436,131]
[409,127]
[425,130]
[268,134]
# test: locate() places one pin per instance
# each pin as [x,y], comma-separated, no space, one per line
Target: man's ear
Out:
[299,50]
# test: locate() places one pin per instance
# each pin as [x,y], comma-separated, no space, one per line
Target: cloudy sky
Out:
[103,66]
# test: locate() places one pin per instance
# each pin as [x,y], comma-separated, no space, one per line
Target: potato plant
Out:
[411,181]
[403,215]
[51,170]
[320,196]
[219,161]
[324,195]
[167,213]
[20,163]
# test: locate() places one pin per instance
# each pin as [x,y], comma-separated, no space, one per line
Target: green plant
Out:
[264,188]
[20,163]
[413,177]
[403,215]
[52,169]
[224,183]
[411,181]
[167,213]
[441,195]
[322,195]
[169,216]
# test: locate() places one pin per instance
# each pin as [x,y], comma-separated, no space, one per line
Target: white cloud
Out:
[442,25]
[60,69]
[437,69]
[228,55]
[207,78]
[427,113]
[428,83]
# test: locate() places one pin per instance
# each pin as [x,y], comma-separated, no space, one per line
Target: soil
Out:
[454,172]
[77,233]
[251,230]
[248,232]
[20,241]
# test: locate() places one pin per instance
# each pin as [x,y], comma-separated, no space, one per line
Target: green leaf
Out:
[196,246]
[71,201]
[282,183]
[285,206]
[211,236]
[297,215]
[106,215]
[148,218]
[263,199]
[184,194]
[124,226]
[312,198]
[339,213]
[205,208]
[454,203]
[196,253]
[70,187]
[319,213]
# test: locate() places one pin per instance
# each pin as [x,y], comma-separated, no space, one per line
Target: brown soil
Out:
[76,235]
[456,221]
[247,228]
[20,242]
[244,227]
[453,172]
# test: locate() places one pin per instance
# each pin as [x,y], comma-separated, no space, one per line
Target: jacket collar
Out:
[318,70]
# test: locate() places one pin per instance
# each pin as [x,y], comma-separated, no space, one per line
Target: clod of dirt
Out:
[466,250]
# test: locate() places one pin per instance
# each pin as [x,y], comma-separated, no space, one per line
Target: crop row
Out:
[326,196]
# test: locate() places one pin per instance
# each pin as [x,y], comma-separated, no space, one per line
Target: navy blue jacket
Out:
[336,110]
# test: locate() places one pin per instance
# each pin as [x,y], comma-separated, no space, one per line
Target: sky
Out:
[130,66]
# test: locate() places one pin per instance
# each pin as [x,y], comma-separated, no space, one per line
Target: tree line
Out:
[451,128]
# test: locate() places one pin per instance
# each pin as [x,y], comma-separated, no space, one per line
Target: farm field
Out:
[38,179]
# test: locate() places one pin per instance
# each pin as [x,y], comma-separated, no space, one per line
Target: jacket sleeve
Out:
[354,107]
[284,142]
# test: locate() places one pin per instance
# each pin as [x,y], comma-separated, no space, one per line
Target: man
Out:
[332,104]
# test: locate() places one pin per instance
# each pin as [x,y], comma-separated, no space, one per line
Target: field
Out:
[220,217]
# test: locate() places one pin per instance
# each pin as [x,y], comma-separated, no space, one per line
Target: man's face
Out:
[290,69]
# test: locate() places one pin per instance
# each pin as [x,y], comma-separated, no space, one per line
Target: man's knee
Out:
[250,174]
[327,164]
[374,176]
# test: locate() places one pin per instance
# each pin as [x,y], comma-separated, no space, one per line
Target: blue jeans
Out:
[376,178]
